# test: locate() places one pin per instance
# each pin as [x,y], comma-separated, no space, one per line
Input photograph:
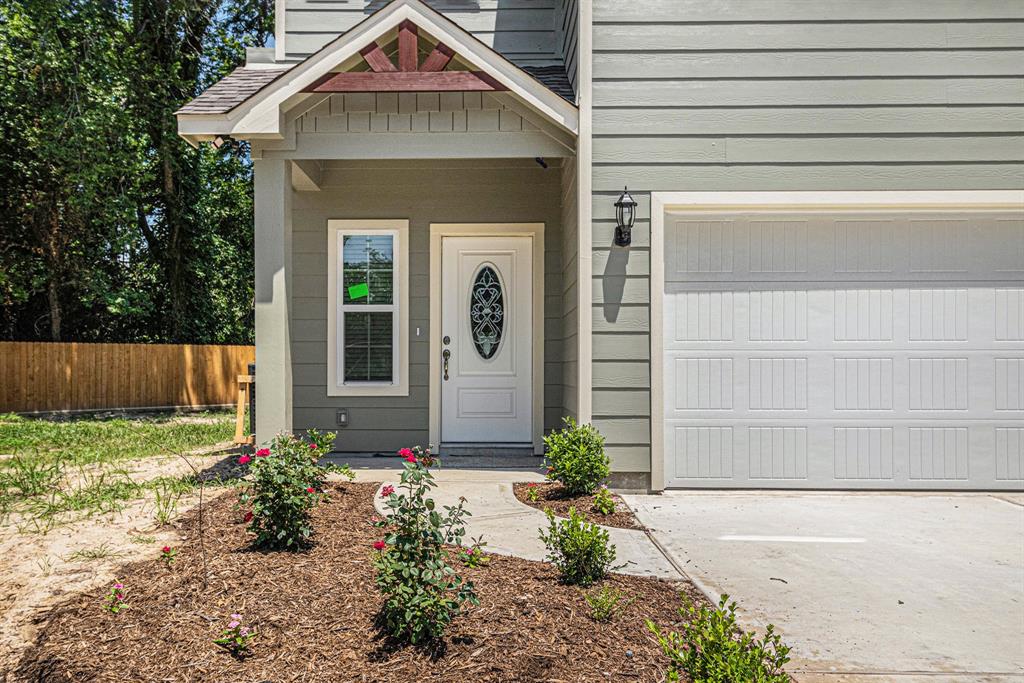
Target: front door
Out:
[486,340]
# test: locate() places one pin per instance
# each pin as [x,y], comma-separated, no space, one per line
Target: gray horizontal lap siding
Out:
[480,192]
[783,95]
[522,30]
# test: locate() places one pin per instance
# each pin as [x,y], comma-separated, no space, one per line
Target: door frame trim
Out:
[753,202]
[535,231]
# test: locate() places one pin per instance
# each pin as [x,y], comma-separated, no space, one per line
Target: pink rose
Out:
[244,460]
[387,491]
[379,545]
[263,452]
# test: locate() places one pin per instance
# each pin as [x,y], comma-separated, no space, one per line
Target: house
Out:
[822,287]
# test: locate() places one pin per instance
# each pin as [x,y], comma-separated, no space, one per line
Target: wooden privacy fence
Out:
[45,376]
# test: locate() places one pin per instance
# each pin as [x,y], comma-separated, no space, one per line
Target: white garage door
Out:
[854,350]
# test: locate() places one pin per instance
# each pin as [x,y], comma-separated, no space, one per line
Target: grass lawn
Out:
[88,440]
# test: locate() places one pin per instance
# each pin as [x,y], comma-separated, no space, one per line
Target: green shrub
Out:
[579,549]
[286,485]
[603,501]
[713,649]
[422,591]
[576,457]
[606,604]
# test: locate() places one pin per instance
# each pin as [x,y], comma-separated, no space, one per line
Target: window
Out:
[368,338]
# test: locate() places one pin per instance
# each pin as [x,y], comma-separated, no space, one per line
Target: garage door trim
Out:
[752,202]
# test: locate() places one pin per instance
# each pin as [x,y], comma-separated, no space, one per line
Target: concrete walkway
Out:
[510,528]
[864,586]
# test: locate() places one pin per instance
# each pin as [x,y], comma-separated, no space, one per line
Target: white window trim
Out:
[335,331]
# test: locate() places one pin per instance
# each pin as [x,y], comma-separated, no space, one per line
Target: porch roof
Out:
[251,101]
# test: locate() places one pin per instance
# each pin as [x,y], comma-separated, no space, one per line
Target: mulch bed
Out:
[552,495]
[315,612]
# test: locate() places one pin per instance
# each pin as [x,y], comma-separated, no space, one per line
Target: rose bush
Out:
[287,483]
[422,592]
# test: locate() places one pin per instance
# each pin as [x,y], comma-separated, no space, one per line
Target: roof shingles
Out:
[231,91]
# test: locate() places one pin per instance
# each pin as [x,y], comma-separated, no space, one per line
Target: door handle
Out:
[446,354]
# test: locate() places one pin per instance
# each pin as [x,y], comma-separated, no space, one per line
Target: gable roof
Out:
[250,102]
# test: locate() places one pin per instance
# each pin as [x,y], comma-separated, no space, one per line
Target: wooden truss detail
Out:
[409,75]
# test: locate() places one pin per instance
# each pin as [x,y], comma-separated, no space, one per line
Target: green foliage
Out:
[114,228]
[713,649]
[237,638]
[473,555]
[287,483]
[580,550]
[606,603]
[576,458]
[603,501]
[422,591]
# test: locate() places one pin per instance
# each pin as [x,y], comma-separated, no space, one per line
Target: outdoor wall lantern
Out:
[625,214]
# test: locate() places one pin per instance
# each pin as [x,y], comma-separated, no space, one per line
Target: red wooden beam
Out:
[438,59]
[376,58]
[403,81]
[408,46]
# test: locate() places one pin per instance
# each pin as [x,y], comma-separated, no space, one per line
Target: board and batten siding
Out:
[524,31]
[424,192]
[690,95]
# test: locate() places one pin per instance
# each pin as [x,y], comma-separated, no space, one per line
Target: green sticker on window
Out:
[359,291]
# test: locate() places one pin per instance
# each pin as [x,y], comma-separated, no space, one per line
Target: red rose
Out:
[263,452]
[379,545]
[248,516]
[166,549]
[387,491]
[406,452]
[244,460]
[312,445]
[310,489]
[410,458]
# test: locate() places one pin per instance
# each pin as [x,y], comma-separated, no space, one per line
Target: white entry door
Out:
[486,340]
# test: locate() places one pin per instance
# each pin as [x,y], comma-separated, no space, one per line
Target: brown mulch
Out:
[552,495]
[315,612]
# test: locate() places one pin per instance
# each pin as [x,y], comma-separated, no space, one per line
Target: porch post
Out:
[273,244]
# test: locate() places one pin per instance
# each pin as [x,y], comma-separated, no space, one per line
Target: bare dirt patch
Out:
[81,552]
[315,612]
[552,496]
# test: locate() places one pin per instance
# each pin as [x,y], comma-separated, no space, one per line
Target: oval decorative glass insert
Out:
[487,312]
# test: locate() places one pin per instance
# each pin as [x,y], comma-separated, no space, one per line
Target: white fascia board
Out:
[263,114]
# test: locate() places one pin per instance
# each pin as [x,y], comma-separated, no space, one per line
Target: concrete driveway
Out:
[864,586]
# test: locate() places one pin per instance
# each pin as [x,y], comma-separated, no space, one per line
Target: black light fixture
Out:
[625,214]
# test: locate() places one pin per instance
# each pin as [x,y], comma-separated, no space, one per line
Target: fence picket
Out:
[51,376]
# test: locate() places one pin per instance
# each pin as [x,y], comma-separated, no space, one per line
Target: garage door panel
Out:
[854,248]
[844,351]
[843,454]
[961,314]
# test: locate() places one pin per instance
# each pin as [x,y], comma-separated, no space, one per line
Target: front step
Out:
[490,451]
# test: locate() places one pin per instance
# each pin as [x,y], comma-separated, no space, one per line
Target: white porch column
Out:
[273,243]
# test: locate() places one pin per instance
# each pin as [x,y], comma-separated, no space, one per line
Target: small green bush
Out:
[286,485]
[713,649]
[422,591]
[576,457]
[606,604]
[603,501]
[580,550]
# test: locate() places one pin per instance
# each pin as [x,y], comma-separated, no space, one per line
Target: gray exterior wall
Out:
[527,32]
[425,192]
[690,95]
